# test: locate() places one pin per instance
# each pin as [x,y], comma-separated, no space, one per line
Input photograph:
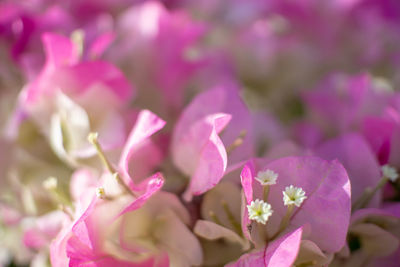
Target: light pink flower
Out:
[324,213]
[158,48]
[60,100]
[281,252]
[353,152]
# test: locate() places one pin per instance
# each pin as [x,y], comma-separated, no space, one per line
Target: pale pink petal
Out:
[225,98]
[102,42]
[204,104]
[58,248]
[173,236]
[154,184]
[223,192]
[81,181]
[360,163]
[209,158]
[310,252]
[9,215]
[146,125]
[59,50]
[279,253]
[81,77]
[326,211]
[341,102]
[246,177]
[213,231]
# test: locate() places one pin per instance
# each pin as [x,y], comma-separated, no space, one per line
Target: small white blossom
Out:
[259,211]
[267,177]
[390,173]
[93,137]
[50,183]
[100,193]
[293,195]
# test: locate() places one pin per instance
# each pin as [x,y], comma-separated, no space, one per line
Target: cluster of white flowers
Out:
[390,173]
[260,211]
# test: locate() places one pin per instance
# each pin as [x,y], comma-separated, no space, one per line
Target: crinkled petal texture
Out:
[63,70]
[358,159]
[279,253]
[224,99]
[200,153]
[197,150]
[140,155]
[89,239]
[60,100]
[325,214]
[150,230]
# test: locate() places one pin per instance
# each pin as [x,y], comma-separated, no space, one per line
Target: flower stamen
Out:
[236,143]
[388,174]
[93,139]
[266,179]
[292,196]
[259,211]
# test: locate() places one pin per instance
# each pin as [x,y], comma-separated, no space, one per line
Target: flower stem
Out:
[214,218]
[266,192]
[236,143]
[368,194]
[285,221]
[93,139]
[237,227]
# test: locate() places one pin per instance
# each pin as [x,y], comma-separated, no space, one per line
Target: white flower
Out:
[50,183]
[390,173]
[267,177]
[293,195]
[100,193]
[259,211]
[92,137]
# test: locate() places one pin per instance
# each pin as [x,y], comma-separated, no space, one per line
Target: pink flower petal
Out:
[154,184]
[202,154]
[279,253]
[246,177]
[326,211]
[60,50]
[101,44]
[356,156]
[146,125]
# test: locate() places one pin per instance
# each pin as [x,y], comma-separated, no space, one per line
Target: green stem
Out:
[93,139]
[285,221]
[237,227]
[214,218]
[266,192]
[368,194]
[238,142]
